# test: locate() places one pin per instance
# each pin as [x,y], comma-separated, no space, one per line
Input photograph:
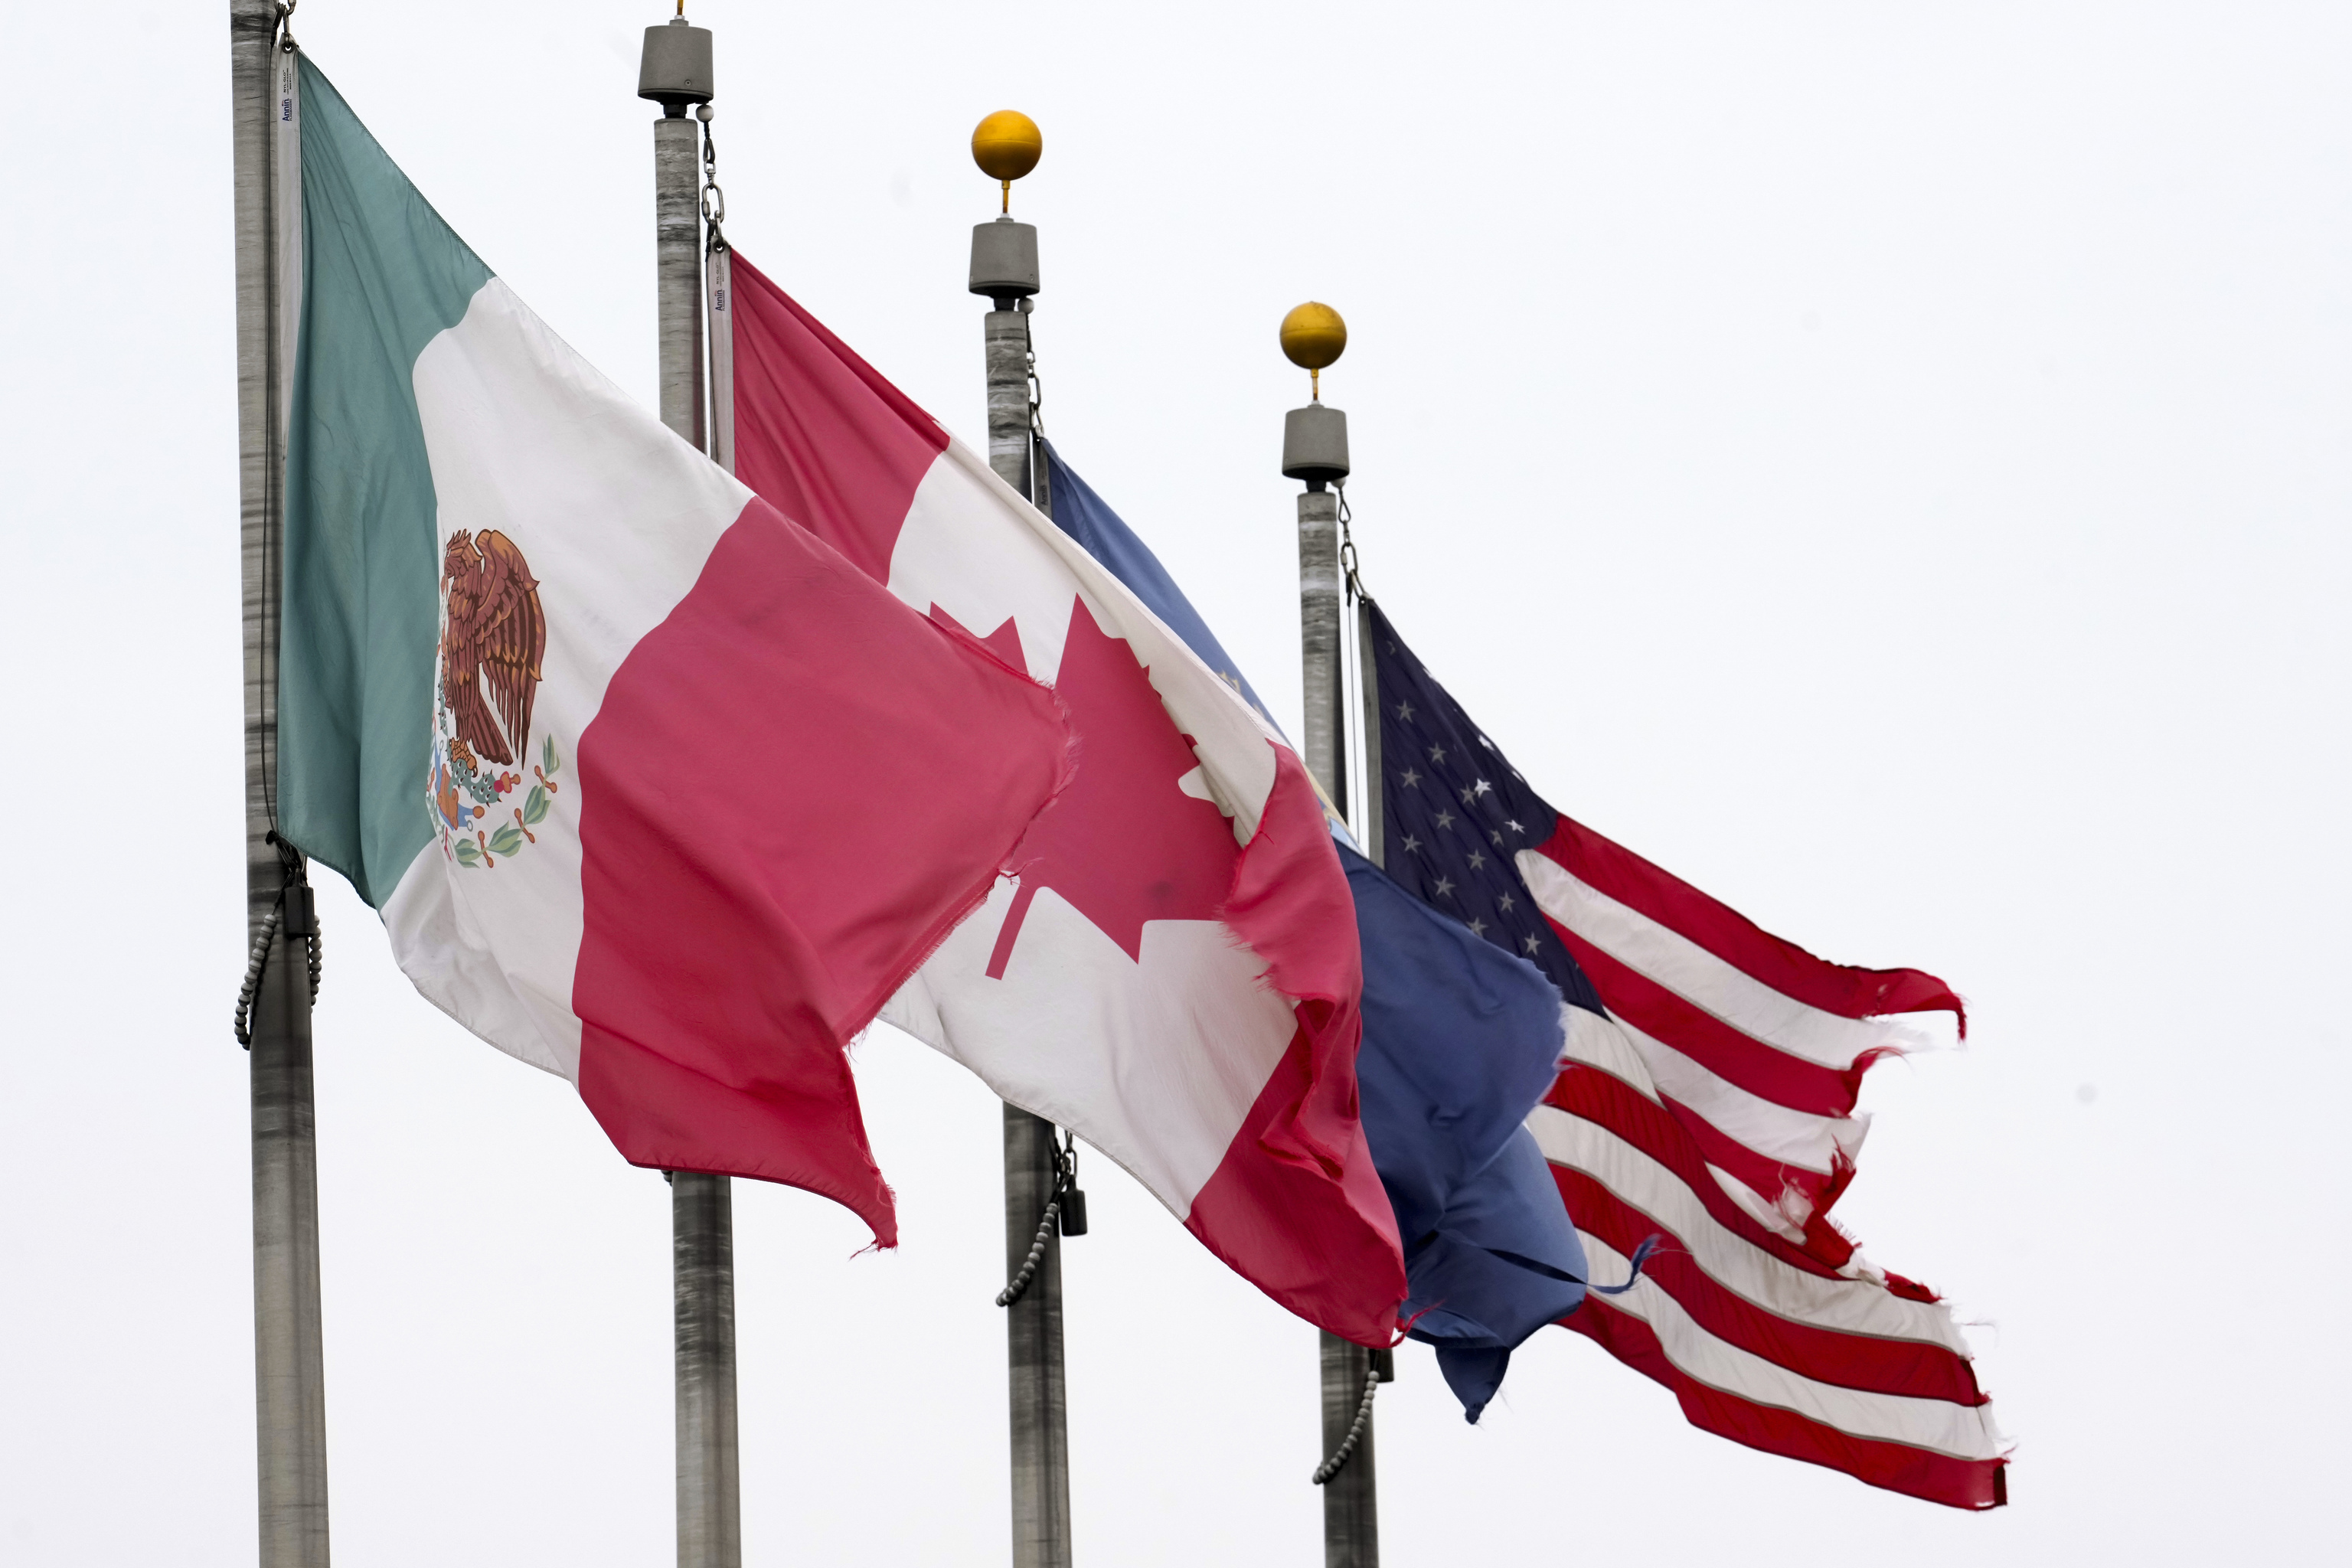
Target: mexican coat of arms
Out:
[493,636]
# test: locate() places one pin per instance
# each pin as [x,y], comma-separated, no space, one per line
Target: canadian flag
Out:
[1172,969]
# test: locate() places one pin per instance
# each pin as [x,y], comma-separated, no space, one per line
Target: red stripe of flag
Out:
[844,476]
[1601,1098]
[1763,1175]
[733,939]
[1917,1369]
[1896,1466]
[1838,988]
[1765,1072]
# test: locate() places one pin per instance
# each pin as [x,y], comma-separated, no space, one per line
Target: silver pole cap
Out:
[1315,445]
[675,70]
[1004,259]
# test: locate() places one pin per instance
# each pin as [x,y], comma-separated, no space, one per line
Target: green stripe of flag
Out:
[382,276]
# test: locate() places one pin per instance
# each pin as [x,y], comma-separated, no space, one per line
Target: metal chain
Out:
[1036,383]
[316,955]
[1347,1448]
[1020,1286]
[1350,582]
[1039,493]
[1065,1177]
[253,968]
[257,963]
[714,200]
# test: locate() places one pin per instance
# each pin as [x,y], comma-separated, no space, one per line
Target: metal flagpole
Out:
[274,1010]
[1369,825]
[1004,267]
[674,71]
[1315,449]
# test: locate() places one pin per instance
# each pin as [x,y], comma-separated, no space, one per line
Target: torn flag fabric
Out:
[1707,1099]
[1169,969]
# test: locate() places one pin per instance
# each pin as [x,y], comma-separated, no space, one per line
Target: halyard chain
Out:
[1065,1178]
[258,961]
[1013,1292]
[1348,563]
[1347,1448]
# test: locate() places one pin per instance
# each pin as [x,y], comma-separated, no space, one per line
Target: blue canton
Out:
[1455,815]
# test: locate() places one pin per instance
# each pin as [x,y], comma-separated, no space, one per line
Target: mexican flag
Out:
[651,788]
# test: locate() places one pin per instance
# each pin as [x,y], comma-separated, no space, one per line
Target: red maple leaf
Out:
[1121,842]
[1004,642]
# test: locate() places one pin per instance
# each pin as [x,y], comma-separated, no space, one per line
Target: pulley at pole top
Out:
[1314,438]
[1006,146]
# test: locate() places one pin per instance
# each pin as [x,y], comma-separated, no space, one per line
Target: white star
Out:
[1508,900]
[1405,710]
[1478,860]
[1534,947]
[1495,838]
[1481,787]
[1444,819]
[1486,743]
[1468,794]
[1477,927]
[1411,844]
[1411,777]
[1436,753]
[1445,887]
[1514,828]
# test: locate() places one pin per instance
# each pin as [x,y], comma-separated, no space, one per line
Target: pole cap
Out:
[675,70]
[1315,445]
[1313,336]
[1004,260]
[1007,145]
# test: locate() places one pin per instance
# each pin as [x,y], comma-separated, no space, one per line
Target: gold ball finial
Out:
[1007,145]
[1313,339]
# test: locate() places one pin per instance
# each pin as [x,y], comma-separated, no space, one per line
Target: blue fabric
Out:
[1509,1261]
[1087,517]
[1461,1040]
[1455,815]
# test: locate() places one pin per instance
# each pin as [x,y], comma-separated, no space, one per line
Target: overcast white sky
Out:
[1886,464]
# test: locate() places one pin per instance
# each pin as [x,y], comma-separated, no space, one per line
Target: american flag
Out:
[1707,1097]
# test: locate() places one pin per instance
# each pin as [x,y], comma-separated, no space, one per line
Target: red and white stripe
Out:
[1713,1104]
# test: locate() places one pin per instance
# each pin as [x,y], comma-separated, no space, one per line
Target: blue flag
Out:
[1087,517]
[1461,1040]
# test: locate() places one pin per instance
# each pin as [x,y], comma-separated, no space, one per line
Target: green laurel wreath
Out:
[509,838]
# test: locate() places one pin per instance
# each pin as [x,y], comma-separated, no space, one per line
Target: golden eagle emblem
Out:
[492,639]
[493,635]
